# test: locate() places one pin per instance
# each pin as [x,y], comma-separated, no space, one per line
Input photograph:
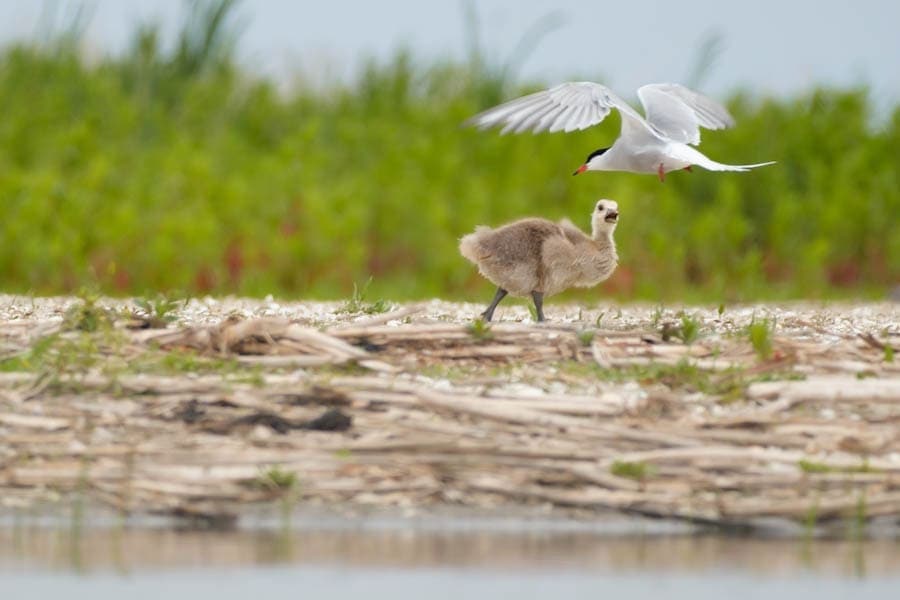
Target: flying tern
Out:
[658,143]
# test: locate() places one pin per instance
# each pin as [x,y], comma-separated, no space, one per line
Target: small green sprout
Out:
[632,470]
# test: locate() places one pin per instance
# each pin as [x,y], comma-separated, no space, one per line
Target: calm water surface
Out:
[393,562]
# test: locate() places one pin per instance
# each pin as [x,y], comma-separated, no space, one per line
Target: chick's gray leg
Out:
[488,314]
[538,298]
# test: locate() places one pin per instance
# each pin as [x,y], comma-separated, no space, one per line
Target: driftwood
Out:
[405,408]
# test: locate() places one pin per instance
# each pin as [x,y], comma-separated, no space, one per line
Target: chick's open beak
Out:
[612,216]
[580,169]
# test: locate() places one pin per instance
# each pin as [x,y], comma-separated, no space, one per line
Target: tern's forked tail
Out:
[696,157]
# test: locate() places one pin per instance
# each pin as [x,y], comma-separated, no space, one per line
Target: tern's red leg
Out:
[661,173]
[689,169]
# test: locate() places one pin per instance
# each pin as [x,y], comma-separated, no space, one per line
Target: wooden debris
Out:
[407,409]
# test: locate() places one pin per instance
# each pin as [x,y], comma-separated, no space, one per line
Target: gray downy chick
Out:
[536,257]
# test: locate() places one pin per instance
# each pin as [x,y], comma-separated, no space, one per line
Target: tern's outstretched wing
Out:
[566,107]
[678,113]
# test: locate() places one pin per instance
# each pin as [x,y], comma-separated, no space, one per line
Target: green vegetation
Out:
[809,466]
[87,315]
[760,335]
[586,336]
[811,518]
[860,515]
[888,353]
[688,330]
[632,470]
[728,384]
[813,467]
[90,340]
[158,311]
[358,302]
[480,329]
[175,169]
[276,478]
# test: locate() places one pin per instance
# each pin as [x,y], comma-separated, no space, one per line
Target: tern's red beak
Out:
[580,169]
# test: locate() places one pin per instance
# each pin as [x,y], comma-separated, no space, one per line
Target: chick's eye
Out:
[599,207]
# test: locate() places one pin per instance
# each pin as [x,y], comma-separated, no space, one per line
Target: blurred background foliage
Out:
[173,168]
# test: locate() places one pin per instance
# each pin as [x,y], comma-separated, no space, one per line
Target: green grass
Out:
[632,470]
[33,359]
[759,332]
[813,467]
[480,330]
[358,302]
[276,478]
[159,310]
[728,385]
[87,314]
[809,466]
[586,336]
[687,330]
[77,352]
[170,167]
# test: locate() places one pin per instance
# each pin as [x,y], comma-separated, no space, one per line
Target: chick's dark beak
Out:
[580,169]
[612,216]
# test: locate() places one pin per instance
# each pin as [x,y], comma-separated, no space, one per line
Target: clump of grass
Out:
[586,336]
[278,479]
[813,467]
[87,315]
[729,384]
[657,315]
[358,302]
[760,336]
[688,330]
[632,470]
[31,360]
[809,466]
[72,353]
[888,353]
[159,311]
[480,330]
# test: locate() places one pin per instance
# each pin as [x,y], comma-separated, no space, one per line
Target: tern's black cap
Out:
[595,153]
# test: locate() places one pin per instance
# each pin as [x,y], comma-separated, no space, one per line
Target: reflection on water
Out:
[352,558]
[124,550]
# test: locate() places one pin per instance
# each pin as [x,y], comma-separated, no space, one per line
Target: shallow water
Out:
[40,561]
[341,582]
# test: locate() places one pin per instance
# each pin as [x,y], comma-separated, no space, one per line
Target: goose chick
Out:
[536,257]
